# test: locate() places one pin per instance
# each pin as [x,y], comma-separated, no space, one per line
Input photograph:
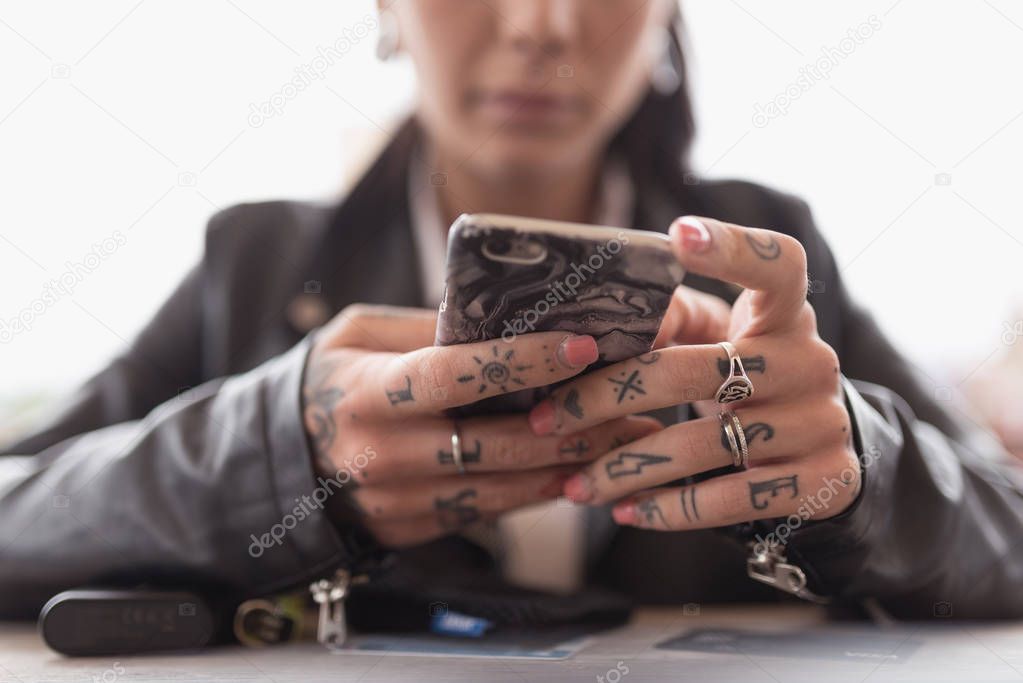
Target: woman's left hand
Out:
[801,457]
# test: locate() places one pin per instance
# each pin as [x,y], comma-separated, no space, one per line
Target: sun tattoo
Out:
[499,371]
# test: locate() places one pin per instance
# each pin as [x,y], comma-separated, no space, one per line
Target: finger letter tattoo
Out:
[751,364]
[765,247]
[447,458]
[752,432]
[632,463]
[772,487]
[401,395]
[457,511]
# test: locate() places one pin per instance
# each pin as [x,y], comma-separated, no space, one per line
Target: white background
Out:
[134,117]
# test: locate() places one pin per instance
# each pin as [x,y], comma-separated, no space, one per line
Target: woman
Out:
[297,451]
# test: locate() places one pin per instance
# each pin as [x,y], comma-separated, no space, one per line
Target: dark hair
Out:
[655,141]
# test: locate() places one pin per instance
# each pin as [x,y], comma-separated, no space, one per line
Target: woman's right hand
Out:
[374,394]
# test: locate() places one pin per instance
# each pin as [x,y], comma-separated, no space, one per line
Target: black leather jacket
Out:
[168,463]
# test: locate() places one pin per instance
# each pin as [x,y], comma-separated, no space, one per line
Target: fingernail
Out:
[577,488]
[692,233]
[624,513]
[577,351]
[541,418]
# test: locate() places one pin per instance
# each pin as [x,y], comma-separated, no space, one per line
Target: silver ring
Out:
[456,449]
[736,437]
[737,386]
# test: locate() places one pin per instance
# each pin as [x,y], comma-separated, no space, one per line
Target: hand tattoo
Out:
[401,395]
[649,358]
[574,445]
[457,511]
[321,398]
[632,463]
[751,364]
[633,383]
[765,247]
[498,372]
[752,432]
[448,458]
[651,513]
[771,486]
[572,404]
[689,507]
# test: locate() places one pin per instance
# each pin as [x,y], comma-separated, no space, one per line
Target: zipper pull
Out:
[771,566]
[330,594]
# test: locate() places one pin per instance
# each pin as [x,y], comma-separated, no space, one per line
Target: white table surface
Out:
[944,651]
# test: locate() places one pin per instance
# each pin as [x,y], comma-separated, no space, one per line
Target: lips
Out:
[521,105]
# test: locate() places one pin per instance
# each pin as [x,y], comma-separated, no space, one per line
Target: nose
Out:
[540,26]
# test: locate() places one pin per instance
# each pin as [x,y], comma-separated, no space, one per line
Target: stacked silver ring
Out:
[736,437]
[736,387]
[456,449]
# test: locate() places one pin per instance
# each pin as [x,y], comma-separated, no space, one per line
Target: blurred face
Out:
[528,86]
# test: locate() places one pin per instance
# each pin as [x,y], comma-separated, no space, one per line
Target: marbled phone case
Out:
[610,283]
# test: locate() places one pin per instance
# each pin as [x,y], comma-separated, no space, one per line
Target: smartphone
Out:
[508,275]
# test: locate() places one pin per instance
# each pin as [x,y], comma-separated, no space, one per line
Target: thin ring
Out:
[736,437]
[740,434]
[456,449]
[737,386]
[733,443]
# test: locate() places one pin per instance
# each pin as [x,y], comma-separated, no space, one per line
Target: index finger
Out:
[435,378]
[770,263]
[378,327]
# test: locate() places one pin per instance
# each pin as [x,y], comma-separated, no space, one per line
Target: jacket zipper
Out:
[769,565]
[330,594]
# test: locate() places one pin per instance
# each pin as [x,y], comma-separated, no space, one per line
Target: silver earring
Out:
[666,76]
[387,38]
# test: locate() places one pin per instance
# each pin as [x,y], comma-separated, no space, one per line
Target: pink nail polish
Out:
[541,418]
[624,513]
[692,233]
[577,488]
[577,351]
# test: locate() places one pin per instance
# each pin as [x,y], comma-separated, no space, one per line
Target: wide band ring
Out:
[456,449]
[736,437]
[737,386]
